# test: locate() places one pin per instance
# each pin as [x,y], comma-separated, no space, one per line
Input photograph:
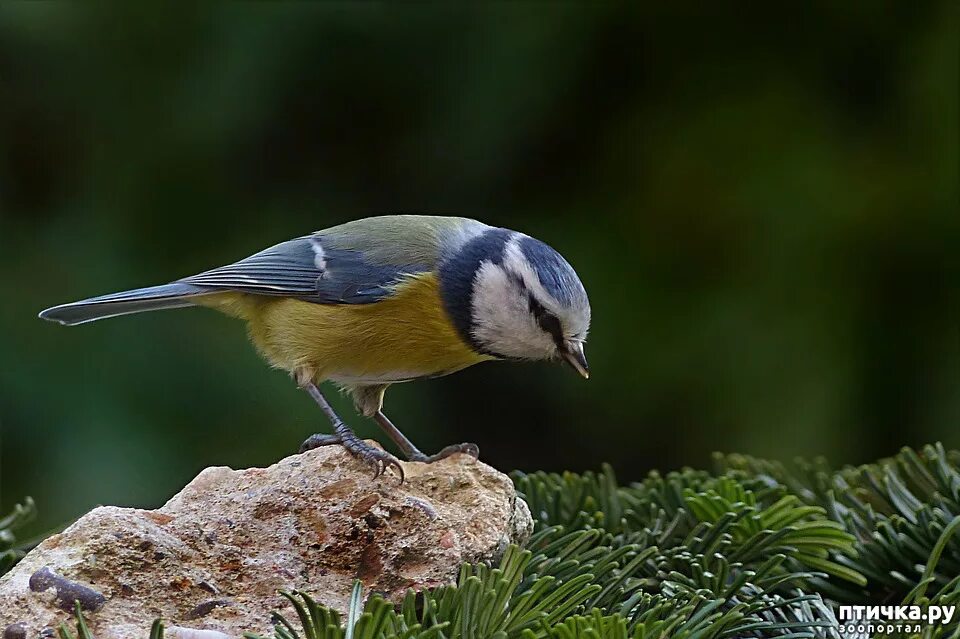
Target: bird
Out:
[383,300]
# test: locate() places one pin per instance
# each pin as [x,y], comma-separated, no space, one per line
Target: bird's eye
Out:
[546,320]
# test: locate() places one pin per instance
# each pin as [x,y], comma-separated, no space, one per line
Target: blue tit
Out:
[384,300]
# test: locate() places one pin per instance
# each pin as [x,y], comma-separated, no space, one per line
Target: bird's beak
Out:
[572,352]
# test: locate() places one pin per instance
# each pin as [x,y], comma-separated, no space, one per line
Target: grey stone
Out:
[215,555]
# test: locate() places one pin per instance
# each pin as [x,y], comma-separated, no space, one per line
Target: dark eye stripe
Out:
[546,320]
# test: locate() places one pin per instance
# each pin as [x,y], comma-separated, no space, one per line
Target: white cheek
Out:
[502,319]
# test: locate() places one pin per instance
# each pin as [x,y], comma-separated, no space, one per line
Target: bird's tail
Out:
[153,298]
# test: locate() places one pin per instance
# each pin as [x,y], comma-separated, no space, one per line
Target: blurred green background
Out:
[762,203]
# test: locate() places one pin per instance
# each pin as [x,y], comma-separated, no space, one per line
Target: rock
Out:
[215,555]
[68,592]
[175,632]
[15,631]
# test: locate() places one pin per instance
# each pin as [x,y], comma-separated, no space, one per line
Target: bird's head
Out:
[513,297]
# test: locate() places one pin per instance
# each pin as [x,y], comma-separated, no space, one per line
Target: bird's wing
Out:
[310,268]
[354,263]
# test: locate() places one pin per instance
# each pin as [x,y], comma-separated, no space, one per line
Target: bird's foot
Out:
[379,459]
[470,449]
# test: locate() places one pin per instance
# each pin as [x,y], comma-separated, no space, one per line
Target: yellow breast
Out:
[404,336]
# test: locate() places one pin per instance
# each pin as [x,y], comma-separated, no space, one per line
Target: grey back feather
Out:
[307,269]
[353,263]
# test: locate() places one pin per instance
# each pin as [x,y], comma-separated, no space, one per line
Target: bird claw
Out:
[317,440]
[467,448]
[379,459]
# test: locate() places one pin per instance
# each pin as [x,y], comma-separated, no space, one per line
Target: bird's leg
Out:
[379,459]
[412,452]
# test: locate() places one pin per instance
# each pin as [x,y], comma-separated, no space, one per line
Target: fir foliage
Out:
[10,551]
[904,513]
